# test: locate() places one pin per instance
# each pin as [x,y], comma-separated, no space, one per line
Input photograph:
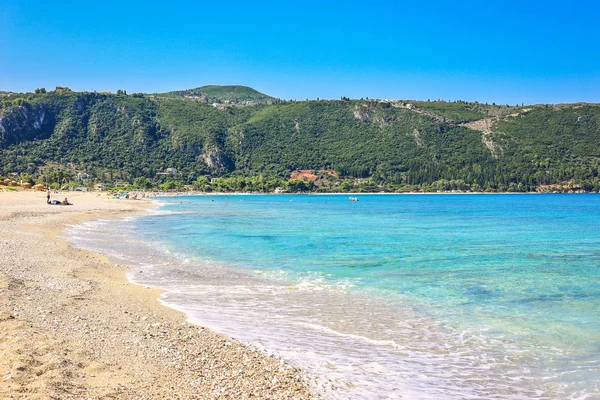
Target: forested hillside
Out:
[370,144]
[221,94]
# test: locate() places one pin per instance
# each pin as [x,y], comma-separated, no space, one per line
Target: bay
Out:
[421,296]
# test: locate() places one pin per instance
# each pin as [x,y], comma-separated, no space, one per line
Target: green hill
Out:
[221,94]
[372,145]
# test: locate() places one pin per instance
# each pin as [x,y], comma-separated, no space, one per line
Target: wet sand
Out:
[73,327]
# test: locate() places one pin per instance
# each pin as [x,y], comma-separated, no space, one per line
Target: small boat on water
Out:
[353,198]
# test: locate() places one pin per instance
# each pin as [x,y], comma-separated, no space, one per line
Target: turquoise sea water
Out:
[421,296]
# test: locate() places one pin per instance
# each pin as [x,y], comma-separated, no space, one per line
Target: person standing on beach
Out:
[48,197]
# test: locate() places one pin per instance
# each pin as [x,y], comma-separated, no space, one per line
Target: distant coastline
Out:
[236,139]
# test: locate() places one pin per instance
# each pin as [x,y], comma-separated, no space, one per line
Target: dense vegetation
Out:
[221,94]
[147,141]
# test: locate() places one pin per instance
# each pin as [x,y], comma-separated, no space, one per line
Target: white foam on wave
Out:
[161,212]
[366,339]
[313,281]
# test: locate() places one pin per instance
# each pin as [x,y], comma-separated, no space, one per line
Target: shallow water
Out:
[428,296]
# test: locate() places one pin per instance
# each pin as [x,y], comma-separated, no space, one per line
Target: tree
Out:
[62,89]
[347,186]
[202,184]
[142,183]
[40,90]
[171,185]
[298,185]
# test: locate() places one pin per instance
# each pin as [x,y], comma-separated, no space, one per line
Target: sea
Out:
[388,297]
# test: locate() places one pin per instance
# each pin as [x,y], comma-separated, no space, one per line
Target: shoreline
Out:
[73,325]
[192,193]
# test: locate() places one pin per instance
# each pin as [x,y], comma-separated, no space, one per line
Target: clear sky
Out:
[490,51]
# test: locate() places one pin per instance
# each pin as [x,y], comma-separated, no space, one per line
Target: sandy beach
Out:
[73,327]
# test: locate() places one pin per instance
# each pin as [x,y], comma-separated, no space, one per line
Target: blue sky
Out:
[504,52]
